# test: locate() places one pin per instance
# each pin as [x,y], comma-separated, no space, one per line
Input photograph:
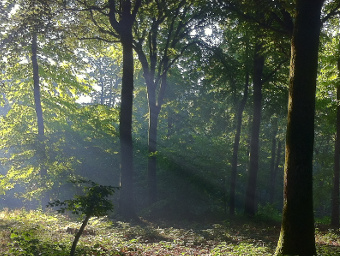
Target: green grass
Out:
[35,233]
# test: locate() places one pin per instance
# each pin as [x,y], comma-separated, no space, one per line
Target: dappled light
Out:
[169,127]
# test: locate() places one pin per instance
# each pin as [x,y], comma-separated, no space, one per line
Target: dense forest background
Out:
[209,114]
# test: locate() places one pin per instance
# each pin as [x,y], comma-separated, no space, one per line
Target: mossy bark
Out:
[297,230]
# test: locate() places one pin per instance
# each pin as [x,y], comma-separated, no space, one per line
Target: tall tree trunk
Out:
[335,194]
[152,149]
[240,110]
[123,27]
[126,201]
[102,85]
[274,173]
[250,200]
[37,99]
[41,150]
[297,229]
[155,102]
[273,157]
[170,126]
[154,110]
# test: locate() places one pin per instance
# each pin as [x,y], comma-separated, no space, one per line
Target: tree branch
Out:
[332,13]
[98,38]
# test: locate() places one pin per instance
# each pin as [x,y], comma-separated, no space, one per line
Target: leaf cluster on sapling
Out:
[93,202]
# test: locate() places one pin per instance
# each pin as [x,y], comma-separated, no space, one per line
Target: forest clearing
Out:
[36,233]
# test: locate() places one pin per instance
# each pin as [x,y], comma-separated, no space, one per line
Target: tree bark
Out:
[124,28]
[297,229]
[335,193]
[250,200]
[240,110]
[155,93]
[152,150]
[274,173]
[273,158]
[126,202]
[79,233]
[154,110]
[37,98]
[155,107]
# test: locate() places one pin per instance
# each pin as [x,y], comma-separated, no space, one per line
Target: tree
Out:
[250,201]
[275,161]
[123,27]
[336,167]
[163,37]
[269,33]
[39,74]
[297,230]
[93,203]
[335,194]
[30,20]
[233,72]
[240,110]
[111,22]
[39,112]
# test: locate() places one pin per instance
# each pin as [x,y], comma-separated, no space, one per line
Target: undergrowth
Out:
[32,233]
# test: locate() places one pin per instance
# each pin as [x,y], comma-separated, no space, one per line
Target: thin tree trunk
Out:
[273,157]
[297,229]
[37,99]
[335,194]
[155,102]
[250,200]
[101,82]
[79,233]
[152,149]
[153,126]
[41,150]
[170,126]
[236,146]
[154,110]
[274,174]
[126,202]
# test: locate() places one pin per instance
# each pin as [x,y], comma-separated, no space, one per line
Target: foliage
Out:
[73,147]
[26,241]
[94,202]
[206,51]
[36,232]
[269,212]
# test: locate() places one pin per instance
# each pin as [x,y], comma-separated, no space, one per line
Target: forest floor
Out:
[35,233]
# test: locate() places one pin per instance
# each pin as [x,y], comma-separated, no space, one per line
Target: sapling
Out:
[93,203]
